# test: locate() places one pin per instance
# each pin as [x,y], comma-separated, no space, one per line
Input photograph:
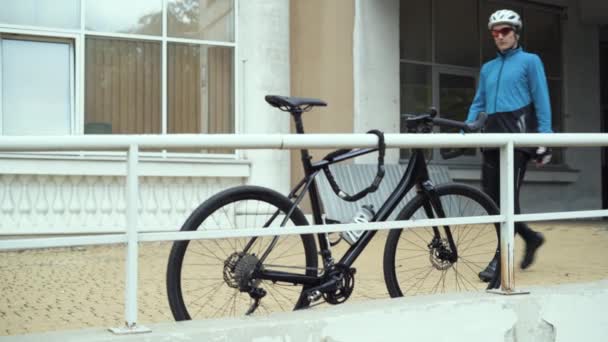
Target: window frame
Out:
[79,40]
[457,71]
[75,43]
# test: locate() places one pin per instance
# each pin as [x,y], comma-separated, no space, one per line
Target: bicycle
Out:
[209,278]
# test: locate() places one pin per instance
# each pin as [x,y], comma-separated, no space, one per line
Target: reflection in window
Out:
[455,97]
[133,16]
[201,19]
[123,86]
[45,13]
[200,89]
[415,88]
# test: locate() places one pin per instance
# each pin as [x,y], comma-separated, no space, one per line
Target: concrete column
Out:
[264,69]
[376,69]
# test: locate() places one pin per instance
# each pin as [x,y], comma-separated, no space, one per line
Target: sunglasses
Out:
[503,31]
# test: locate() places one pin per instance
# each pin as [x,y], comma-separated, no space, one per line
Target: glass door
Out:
[454,94]
[416,96]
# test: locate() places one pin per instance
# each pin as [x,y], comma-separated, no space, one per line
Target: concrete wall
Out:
[376,69]
[554,314]
[322,66]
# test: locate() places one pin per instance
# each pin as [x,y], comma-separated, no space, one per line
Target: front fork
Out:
[433,208]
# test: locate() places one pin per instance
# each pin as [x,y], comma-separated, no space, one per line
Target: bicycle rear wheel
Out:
[204,276]
[415,264]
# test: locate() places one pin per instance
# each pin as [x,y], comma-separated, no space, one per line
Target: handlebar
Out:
[424,122]
[467,127]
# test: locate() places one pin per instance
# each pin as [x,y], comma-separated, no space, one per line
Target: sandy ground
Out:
[71,288]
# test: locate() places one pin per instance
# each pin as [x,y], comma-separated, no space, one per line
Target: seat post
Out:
[297,117]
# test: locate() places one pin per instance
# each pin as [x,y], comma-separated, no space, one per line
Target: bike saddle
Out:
[287,103]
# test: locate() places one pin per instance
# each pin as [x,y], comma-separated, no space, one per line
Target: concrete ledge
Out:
[574,312]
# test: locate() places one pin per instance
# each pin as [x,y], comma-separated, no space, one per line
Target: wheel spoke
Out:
[466,280]
[413,257]
[440,280]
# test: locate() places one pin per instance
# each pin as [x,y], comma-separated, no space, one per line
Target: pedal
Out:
[314,296]
[316,292]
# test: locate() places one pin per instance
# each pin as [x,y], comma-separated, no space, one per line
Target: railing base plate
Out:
[137,329]
[508,293]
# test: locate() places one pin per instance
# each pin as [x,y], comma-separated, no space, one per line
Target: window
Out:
[64,14]
[133,16]
[200,89]
[123,86]
[441,54]
[455,95]
[455,41]
[201,19]
[415,30]
[145,72]
[36,94]
[416,94]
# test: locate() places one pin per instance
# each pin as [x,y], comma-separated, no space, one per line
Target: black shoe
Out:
[531,246]
[488,273]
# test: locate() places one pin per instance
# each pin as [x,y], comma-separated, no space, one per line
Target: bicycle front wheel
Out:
[205,277]
[416,262]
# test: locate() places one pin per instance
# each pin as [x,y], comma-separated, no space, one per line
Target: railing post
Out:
[507,209]
[132,190]
[507,227]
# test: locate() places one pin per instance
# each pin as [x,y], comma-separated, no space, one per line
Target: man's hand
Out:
[543,156]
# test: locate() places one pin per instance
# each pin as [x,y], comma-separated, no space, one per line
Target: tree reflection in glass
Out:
[201,19]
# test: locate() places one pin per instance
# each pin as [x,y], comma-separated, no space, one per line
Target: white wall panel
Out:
[60,204]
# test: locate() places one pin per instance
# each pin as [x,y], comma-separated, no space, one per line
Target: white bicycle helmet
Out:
[505,16]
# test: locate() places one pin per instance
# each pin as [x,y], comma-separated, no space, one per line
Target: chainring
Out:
[345,277]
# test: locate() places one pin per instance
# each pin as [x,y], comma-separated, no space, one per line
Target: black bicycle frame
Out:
[416,174]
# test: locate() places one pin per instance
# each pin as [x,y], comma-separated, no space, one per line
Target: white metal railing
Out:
[133,143]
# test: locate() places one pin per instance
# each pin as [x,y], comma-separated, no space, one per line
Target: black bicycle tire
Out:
[207,208]
[415,204]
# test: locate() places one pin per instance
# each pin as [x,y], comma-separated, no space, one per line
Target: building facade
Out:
[410,55]
[203,66]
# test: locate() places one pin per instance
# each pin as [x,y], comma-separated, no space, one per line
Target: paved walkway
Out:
[73,288]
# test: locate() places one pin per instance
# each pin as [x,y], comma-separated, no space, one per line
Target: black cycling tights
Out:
[490,182]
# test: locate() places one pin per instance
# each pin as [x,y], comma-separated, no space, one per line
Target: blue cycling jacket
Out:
[510,82]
